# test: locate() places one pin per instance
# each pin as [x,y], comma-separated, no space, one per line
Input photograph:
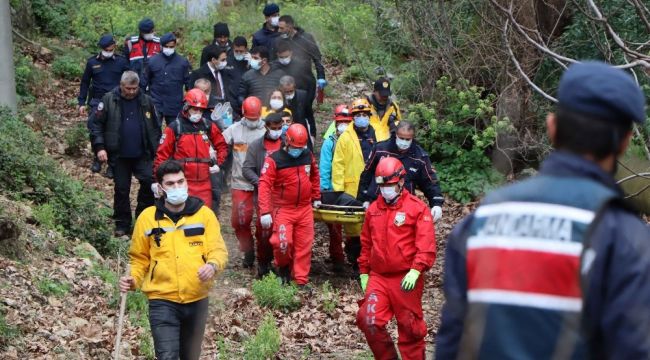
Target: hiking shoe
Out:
[109,172]
[249,259]
[263,269]
[96,166]
[285,274]
[119,232]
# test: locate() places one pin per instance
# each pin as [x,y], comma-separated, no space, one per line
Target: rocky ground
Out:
[78,321]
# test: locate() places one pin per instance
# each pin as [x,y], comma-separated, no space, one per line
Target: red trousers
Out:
[292,240]
[241,219]
[384,299]
[336,242]
[264,248]
[202,190]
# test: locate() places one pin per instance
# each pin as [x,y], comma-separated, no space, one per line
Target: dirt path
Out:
[309,332]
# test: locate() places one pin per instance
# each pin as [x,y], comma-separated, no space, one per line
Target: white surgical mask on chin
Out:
[168,51]
[389,193]
[195,118]
[148,37]
[222,65]
[290,96]
[403,144]
[276,104]
[107,54]
[285,61]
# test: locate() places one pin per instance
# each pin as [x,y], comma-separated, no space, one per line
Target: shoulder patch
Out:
[100,106]
[400,219]
[162,138]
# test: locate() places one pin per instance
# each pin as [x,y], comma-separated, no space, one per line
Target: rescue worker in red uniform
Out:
[288,187]
[197,143]
[397,246]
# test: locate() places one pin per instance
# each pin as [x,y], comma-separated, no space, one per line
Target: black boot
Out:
[285,274]
[249,259]
[263,269]
[96,166]
[109,172]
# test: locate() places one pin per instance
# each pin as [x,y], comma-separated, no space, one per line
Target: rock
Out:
[241,293]
[64,333]
[85,250]
[238,333]
[45,54]
[77,322]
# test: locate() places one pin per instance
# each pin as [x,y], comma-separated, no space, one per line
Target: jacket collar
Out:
[563,163]
[192,206]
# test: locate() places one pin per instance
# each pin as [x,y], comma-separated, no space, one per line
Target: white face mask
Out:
[276,104]
[284,35]
[168,51]
[195,117]
[290,96]
[275,134]
[107,54]
[148,37]
[222,65]
[239,57]
[285,61]
[403,144]
[341,127]
[389,193]
[275,21]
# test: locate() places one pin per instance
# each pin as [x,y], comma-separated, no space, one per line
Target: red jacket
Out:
[398,237]
[288,182]
[190,144]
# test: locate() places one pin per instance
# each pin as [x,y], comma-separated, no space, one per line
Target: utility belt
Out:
[211,162]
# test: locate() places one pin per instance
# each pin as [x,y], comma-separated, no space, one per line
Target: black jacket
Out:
[419,172]
[108,119]
[302,112]
[213,45]
[304,48]
[205,72]
[302,74]
[234,72]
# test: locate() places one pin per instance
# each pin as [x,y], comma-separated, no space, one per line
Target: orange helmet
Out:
[196,98]
[297,136]
[389,171]
[342,113]
[360,105]
[251,108]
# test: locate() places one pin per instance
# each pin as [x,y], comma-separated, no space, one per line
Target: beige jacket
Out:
[240,136]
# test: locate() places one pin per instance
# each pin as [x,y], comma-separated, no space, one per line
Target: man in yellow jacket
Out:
[175,253]
[352,150]
[385,113]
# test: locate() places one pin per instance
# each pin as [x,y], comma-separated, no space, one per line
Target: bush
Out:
[30,174]
[45,215]
[7,332]
[76,138]
[269,292]
[49,287]
[329,298]
[457,132]
[266,342]
[53,16]
[67,67]
[29,79]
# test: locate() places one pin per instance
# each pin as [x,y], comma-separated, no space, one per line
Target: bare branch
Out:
[617,39]
[518,66]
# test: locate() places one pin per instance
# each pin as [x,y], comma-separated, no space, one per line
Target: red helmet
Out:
[342,113]
[196,98]
[251,108]
[389,171]
[297,136]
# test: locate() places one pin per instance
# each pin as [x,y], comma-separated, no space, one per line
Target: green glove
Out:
[364,281]
[408,283]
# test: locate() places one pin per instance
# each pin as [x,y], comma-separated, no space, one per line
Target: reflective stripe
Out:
[166,229]
[516,298]
[136,57]
[537,209]
[192,226]
[524,243]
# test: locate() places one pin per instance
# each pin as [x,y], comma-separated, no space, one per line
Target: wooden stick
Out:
[120,323]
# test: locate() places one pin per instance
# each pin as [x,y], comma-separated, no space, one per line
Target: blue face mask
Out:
[295,152]
[285,127]
[361,121]
[176,196]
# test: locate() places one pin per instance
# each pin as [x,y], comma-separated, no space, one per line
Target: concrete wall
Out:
[196,9]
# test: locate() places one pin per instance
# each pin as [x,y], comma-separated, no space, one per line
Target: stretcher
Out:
[338,214]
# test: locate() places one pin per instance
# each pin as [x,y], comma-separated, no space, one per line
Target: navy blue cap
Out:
[221,29]
[599,89]
[146,25]
[169,37]
[271,9]
[105,41]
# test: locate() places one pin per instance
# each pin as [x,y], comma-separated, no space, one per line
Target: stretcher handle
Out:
[342,207]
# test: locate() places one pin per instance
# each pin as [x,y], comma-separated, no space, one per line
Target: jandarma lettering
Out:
[527,225]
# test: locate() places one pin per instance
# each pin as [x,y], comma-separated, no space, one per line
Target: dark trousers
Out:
[215,184]
[177,329]
[124,169]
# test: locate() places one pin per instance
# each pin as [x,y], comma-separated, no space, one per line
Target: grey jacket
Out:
[254,161]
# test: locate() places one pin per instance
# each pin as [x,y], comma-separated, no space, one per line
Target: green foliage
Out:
[30,174]
[50,287]
[67,67]
[266,342]
[269,292]
[53,15]
[225,351]
[76,138]
[329,298]
[28,78]
[137,306]
[7,332]
[457,131]
[45,215]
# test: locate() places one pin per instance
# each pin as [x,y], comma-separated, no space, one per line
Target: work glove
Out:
[322,83]
[408,283]
[266,221]
[363,278]
[155,189]
[436,213]
[213,153]
[317,204]
[366,204]
[214,169]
